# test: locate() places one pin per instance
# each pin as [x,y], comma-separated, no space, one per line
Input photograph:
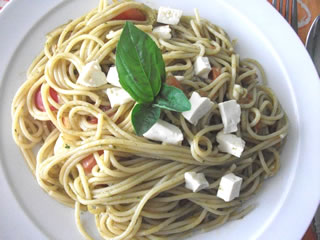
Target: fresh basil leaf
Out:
[143,117]
[139,64]
[173,99]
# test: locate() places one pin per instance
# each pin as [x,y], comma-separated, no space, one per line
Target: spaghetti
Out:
[133,186]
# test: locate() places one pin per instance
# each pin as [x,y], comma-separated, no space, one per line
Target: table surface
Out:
[308,10]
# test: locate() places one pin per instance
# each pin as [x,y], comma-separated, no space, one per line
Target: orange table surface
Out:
[314,10]
[308,10]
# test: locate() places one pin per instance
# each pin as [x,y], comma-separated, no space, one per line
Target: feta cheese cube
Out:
[62,145]
[113,77]
[230,143]
[164,132]
[91,75]
[202,67]
[169,15]
[238,91]
[195,181]
[230,113]
[229,187]
[163,32]
[118,96]
[199,107]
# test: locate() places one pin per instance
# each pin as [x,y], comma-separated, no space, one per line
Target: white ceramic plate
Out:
[286,203]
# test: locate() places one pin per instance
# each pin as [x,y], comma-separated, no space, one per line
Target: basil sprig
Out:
[139,63]
[143,117]
[172,98]
[142,74]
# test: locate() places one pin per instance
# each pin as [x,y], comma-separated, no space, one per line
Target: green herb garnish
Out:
[172,98]
[67,146]
[143,117]
[142,74]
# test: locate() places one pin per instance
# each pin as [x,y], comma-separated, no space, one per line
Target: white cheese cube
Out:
[199,107]
[62,145]
[229,187]
[169,15]
[195,181]
[163,32]
[164,132]
[238,91]
[202,67]
[230,143]
[91,75]
[179,78]
[113,77]
[230,113]
[118,96]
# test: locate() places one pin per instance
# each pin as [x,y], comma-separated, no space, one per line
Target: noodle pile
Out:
[136,190]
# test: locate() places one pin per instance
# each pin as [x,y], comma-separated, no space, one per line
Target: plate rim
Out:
[12,9]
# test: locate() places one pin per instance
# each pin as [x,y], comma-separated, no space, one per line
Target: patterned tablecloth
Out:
[307,11]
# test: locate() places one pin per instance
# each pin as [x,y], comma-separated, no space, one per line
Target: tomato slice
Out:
[215,73]
[89,162]
[247,99]
[54,95]
[131,14]
[92,120]
[172,81]
[39,102]
[258,126]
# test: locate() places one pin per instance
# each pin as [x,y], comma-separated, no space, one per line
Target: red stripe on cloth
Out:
[0,8]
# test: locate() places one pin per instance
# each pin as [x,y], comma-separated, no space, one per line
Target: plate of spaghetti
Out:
[156,120]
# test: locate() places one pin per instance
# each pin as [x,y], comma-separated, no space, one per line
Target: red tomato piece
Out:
[172,81]
[246,100]
[258,126]
[54,95]
[88,163]
[39,102]
[92,120]
[131,14]
[100,152]
[215,73]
